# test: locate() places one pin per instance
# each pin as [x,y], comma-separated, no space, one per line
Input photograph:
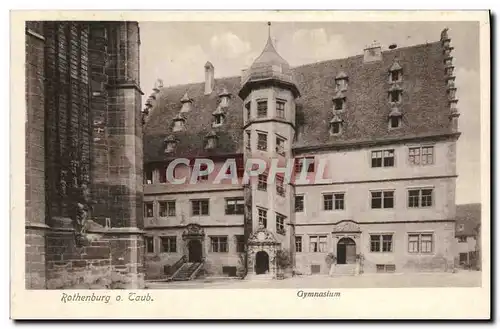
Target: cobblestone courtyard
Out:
[459,279]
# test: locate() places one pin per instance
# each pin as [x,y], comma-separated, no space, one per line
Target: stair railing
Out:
[200,265]
[178,265]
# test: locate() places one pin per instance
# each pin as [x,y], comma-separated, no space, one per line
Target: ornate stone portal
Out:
[262,243]
[193,237]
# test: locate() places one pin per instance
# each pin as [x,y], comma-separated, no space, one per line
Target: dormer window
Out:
[262,109]
[449,70]
[395,119]
[224,97]
[186,103]
[179,123]
[170,142]
[211,140]
[395,76]
[219,116]
[395,94]
[395,72]
[336,125]
[341,81]
[338,104]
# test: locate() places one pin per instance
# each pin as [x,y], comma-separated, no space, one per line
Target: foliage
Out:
[283,259]
[330,259]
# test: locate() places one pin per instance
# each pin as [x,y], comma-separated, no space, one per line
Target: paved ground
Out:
[459,279]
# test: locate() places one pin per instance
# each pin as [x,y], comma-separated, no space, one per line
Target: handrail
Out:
[200,265]
[177,265]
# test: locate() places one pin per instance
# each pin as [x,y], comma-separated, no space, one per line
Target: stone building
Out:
[83,154]
[467,234]
[385,121]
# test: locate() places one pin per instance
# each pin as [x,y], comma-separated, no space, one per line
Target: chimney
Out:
[209,78]
[373,52]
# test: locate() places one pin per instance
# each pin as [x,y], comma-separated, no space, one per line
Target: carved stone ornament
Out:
[262,236]
[346,226]
[82,206]
[193,231]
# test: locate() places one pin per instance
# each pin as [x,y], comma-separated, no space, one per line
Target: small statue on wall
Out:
[82,208]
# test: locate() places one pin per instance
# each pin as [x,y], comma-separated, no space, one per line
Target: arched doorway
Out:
[346,251]
[261,262]
[195,252]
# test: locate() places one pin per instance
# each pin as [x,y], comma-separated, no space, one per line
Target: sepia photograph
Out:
[314,155]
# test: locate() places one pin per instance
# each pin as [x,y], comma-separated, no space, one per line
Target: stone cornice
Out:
[126,85]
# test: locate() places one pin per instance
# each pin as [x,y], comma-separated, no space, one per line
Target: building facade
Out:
[372,144]
[83,149]
[467,234]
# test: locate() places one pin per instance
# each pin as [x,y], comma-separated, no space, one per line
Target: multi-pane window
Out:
[248,109]
[218,243]
[261,141]
[299,163]
[420,243]
[462,239]
[263,217]
[317,243]
[199,207]
[168,243]
[149,241]
[280,224]
[422,155]
[240,243]
[203,177]
[167,208]
[148,209]
[262,109]
[280,145]
[299,203]
[280,109]
[333,201]
[262,182]
[248,143]
[382,199]
[235,206]
[420,198]
[280,186]
[381,242]
[298,244]
[383,158]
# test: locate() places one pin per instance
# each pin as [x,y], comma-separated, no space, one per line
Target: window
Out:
[462,257]
[339,104]
[420,243]
[263,217]
[395,76]
[462,239]
[382,158]
[395,96]
[262,183]
[248,144]
[203,167]
[298,244]
[334,201]
[262,109]
[420,198]
[280,224]
[163,175]
[317,243]
[218,243]
[240,243]
[336,128]
[149,241]
[422,155]
[248,109]
[280,145]
[168,243]
[262,141]
[386,268]
[395,122]
[280,187]
[299,162]
[149,209]
[235,206]
[382,199]
[148,177]
[219,120]
[381,242]
[199,207]
[299,203]
[167,208]
[178,125]
[280,109]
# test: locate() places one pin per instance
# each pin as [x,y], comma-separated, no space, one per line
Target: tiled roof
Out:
[468,218]
[425,109]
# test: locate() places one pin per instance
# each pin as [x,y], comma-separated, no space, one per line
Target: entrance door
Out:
[195,253]
[261,262]
[346,251]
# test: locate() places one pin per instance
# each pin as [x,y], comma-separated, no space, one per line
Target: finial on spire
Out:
[269,29]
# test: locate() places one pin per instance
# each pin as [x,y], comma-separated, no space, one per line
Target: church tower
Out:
[269,93]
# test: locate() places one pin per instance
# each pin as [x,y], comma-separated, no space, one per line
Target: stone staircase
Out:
[344,270]
[187,271]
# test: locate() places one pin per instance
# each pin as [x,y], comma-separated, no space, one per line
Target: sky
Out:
[176,52]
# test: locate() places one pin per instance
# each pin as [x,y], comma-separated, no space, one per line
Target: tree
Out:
[282,262]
